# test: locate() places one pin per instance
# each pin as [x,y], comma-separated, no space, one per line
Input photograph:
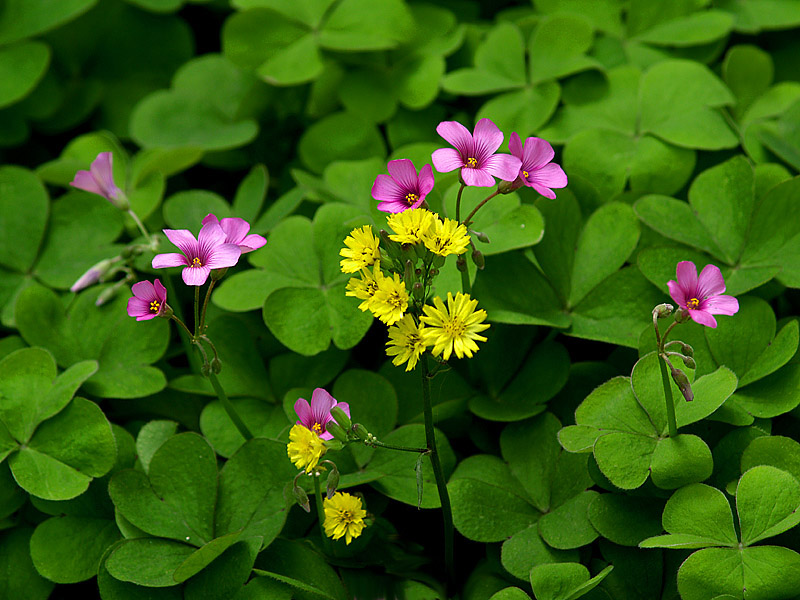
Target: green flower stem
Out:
[320,513]
[196,309]
[673,425]
[141,227]
[185,328]
[376,444]
[205,307]
[466,287]
[223,397]
[468,220]
[438,473]
[458,202]
[186,339]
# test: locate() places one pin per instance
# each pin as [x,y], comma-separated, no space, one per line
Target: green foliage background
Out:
[678,124]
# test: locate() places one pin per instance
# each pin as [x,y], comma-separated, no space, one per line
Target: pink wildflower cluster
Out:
[475,155]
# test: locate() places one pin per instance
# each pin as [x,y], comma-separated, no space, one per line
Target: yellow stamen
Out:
[472,162]
[317,428]
[525,174]
[693,304]
[196,262]
[155,305]
[411,198]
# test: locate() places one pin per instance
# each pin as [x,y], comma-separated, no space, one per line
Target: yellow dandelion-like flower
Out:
[361,250]
[455,327]
[406,342]
[305,447]
[411,225]
[344,516]
[445,238]
[390,302]
[366,287]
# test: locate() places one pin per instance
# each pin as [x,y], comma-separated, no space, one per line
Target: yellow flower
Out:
[454,328]
[391,300]
[305,447]
[445,238]
[344,516]
[405,342]
[361,250]
[366,287]
[410,225]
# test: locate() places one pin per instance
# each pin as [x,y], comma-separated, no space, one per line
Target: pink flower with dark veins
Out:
[402,188]
[315,416]
[99,179]
[236,232]
[208,251]
[537,171]
[149,300]
[474,153]
[701,296]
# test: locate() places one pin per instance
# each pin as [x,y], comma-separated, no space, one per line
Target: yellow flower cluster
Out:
[361,250]
[305,447]
[386,297]
[344,516]
[421,225]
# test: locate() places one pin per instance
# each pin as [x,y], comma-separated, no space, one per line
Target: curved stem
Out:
[438,473]
[458,202]
[205,307]
[186,340]
[141,226]
[320,513]
[673,425]
[468,220]
[226,403]
[183,325]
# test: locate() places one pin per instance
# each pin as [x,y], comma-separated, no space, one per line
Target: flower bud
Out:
[392,248]
[506,187]
[461,263]
[360,431]
[106,295]
[333,481]
[407,274]
[333,444]
[687,350]
[337,432]
[477,258]
[217,274]
[92,275]
[300,496]
[438,260]
[418,291]
[681,315]
[166,312]
[216,365]
[481,236]
[689,362]
[663,310]
[680,379]
[205,369]
[341,417]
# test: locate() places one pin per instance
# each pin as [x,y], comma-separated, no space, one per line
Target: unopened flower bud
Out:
[106,295]
[337,432]
[433,272]
[417,290]
[341,417]
[663,310]
[333,444]
[217,274]
[506,187]
[681,315]
[689,362]
[461,263]
[333,481]
[438,261]
[360,431]
[680,379]
[687,350]
[477,258]
[407,274]
[216,365]
[300,496]
[205,369]
[481,236]
[92,275]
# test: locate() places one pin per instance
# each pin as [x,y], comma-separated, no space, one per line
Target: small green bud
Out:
[438,260]
[461,263]
[392,248]
[663,310]
[341,417]
[681,315]
[433,272]
[333,444]
[300,496]
[417,290]
[506,187]
[477,258]
[106,295]
[360,431]
[336,431]
[687,350]
[217,274]
[216,365]
[408,272]
[333,481]
[689,362]
[481,236]
[205,369]
[680,379]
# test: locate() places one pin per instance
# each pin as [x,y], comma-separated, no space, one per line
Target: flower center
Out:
[525,174]
[454,328]
[472,163]
[317,427]
[346,515]
[196,262]
[411,198]
[693,304]
[155,305]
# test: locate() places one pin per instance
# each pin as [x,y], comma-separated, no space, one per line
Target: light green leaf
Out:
[568,526]
[680,460]
[767,500]
[702,511]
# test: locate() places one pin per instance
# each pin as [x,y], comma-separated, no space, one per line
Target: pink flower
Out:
[537,171]
[475,154]
[208,251]
[701,296]
[149,300]
[100,180]
[402,188]
[316,415]
[236,232]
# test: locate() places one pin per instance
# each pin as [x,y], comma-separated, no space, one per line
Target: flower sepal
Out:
[506,187]
[217,274]
[299,495]
[333,444]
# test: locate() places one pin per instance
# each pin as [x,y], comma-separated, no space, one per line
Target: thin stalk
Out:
[226,403]
[141,227]
[468,220]
[196,309]
[186,340]
[673,425]
[458,202]
[183,325]
[438,473]
[466,286]
[205,306]
[377,444]
[320,513]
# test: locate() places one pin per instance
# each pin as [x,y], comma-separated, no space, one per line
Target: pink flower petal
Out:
[544,191]
[687,278]
[387,189]
[710,283]
[395,206]
[224,255]
[252,242]
[721,305]
[515,145]
[537,153]
[170,259]
[456,135]
[677,293]
[504,166]
[161,291]
[210,236]
[184,240]
[101,170]
[487,139]
[84,181]
[235,229]
[404,173]
[426,180]
[446,160]
[321,404]
[303,410]
[549,176]
[195,275]
[138,307]
[210,218]
[144,290]
[704,318]
[477,177]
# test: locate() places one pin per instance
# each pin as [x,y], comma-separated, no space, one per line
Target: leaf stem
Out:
[205,306]
[226,403]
